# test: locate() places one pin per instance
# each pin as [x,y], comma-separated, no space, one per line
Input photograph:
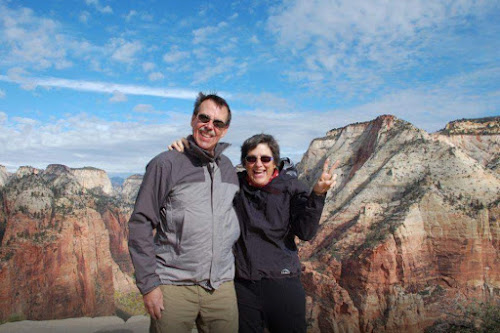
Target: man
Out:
[183,228]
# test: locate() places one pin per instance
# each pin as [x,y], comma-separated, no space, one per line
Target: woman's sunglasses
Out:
[205,119]
[252,158]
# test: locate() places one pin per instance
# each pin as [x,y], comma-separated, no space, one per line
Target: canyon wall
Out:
[64,244]
[411,227]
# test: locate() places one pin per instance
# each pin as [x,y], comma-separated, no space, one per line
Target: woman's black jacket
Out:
[270,217]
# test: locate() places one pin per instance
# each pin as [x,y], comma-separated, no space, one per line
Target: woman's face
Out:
[260,172]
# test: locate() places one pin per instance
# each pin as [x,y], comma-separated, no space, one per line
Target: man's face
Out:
[206,134]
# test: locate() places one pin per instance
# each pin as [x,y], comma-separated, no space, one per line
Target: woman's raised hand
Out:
[327,180]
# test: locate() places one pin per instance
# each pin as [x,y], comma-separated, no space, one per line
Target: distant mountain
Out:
[117,181]
[411,228]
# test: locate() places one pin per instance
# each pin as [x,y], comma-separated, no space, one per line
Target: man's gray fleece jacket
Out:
[184,226]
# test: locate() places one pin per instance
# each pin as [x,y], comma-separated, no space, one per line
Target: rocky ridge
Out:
[480,139]
[412,226]
[479,126]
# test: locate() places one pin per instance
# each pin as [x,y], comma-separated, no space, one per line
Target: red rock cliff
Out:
[411,227]
[63,248]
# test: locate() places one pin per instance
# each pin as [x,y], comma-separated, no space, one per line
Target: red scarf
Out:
[274,175]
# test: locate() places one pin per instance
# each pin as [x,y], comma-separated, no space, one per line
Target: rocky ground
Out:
[136,324]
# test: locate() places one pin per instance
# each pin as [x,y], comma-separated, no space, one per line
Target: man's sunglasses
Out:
[253,158]
[205,119]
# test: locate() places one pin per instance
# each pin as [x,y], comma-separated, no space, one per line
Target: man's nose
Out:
[210,124]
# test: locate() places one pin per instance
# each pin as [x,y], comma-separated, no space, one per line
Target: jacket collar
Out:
[203,155]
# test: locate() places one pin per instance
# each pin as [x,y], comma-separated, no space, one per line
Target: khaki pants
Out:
[213,311]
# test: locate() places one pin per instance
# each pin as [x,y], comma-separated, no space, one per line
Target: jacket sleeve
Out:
[305,211]
[144,219]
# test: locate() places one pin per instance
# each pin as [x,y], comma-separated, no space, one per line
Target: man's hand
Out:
[327,180]
[153,301]
[179,145]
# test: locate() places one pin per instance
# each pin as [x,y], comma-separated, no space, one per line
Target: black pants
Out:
[278,304]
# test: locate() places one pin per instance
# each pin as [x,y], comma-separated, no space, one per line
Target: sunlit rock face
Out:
[130,188]
[92,178]
[64,245]
[4,175]
[479,139]
[411,226]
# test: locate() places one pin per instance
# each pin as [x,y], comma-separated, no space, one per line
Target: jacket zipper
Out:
[211,173]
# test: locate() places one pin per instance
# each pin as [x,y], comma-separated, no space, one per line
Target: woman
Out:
[273,207]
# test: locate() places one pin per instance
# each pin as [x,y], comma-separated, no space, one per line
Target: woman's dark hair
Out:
[252,142]
[219,101]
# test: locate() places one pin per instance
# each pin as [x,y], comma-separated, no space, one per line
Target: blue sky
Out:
[109,83]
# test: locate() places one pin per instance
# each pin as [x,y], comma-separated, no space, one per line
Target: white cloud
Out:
[25,121]
[204,35]
[367,23]
[130,15]
[148,66]
[347,46]
[222,65]
[80,140]
[127,146]
[29,39]
[118,97]
[147,17]
[267,100]
[428,106]
[175,55]
[97,5]
[144,108]
[124,51]
[155,76]
[143,16]
[17,73]
[107,10]
[361,42]
[84,16]
[102,87]
[2,93]
[39,43]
